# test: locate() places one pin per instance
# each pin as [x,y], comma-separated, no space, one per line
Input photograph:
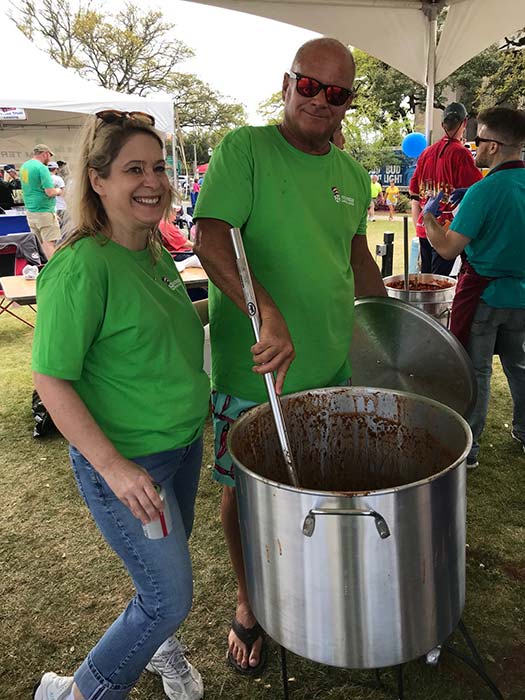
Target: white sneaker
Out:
[518,439]
[180,679]
[53,687]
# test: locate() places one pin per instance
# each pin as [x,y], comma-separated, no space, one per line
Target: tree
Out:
[200,107]
[507,83]
[272,109]
[370,146]
[384,93]
[494,76]
[132,51]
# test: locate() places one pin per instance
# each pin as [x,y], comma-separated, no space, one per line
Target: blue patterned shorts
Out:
[225,411]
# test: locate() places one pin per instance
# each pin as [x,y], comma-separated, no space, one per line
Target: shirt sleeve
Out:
[227,190]
[361,228]
[46,178]
[413,186]
[70,312]
[467,172]
[471,214]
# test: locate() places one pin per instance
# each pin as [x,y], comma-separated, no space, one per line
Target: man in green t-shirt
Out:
[301,205]
[39,198]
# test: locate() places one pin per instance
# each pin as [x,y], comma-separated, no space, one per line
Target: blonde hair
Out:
[98,145]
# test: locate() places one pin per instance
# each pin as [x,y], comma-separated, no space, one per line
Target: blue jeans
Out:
[431,261]
[497,332]
[160,570]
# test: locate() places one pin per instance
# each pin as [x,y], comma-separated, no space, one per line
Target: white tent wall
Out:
[56,100]
[17,143]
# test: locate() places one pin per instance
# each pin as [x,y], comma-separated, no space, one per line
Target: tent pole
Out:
[174,153]
[431,72]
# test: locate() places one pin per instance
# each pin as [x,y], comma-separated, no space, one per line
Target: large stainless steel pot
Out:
[364,567]
[436,302]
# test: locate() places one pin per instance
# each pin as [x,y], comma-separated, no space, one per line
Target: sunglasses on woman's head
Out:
[310,87]
[111,116]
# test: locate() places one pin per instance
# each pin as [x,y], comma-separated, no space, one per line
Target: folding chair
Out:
[11,265]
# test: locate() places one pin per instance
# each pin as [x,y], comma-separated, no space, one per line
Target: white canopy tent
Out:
[56,101]
[402,33]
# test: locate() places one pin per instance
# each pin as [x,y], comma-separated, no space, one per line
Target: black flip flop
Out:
[249,636]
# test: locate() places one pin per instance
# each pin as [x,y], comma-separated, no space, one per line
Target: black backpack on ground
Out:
[43,422]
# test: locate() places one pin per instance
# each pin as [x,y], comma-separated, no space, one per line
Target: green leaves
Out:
[132,51]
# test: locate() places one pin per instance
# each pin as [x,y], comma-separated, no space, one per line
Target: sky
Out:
[240,55]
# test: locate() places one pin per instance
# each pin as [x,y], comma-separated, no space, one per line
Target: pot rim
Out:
[421,277]
[461,461]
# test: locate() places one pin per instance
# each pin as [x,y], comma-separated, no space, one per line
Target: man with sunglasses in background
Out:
[488,312]
[39,194]
[301,204]
[443,166]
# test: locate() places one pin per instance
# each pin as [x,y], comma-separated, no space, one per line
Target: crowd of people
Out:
[118,347]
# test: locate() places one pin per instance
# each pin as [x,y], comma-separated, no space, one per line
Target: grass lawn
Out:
[377,228]
[61,586]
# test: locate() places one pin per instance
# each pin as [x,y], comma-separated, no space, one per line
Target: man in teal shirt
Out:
[488,313]
[301,204]
[39,198]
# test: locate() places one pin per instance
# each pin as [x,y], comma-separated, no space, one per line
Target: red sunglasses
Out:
[310,87]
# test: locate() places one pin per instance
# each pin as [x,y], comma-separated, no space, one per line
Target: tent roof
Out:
[61,96]
[397,31]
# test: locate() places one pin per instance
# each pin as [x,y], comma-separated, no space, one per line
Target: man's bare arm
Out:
[449,244]
[367,277]
[53,191]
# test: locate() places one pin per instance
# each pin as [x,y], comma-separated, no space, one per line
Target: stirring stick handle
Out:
[405,256]
[253,313]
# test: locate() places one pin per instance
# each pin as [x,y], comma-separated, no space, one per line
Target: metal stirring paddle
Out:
[253,313]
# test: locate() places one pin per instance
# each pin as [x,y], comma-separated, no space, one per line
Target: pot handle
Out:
[309,521]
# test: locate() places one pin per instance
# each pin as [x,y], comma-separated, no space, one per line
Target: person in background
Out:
[118,362]
[376,194]
[196,188]
[317,223]
[392,198]
[12,177]
[445,165]
[6,193]
[173,239]
[488,311]
[59,184]
[63,170]
[39,198]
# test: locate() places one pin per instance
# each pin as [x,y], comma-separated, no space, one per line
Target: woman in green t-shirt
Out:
[117,360]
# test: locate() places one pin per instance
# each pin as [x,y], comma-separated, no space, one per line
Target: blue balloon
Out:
[413,145]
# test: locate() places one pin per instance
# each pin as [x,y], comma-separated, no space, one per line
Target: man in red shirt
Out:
[444,166]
